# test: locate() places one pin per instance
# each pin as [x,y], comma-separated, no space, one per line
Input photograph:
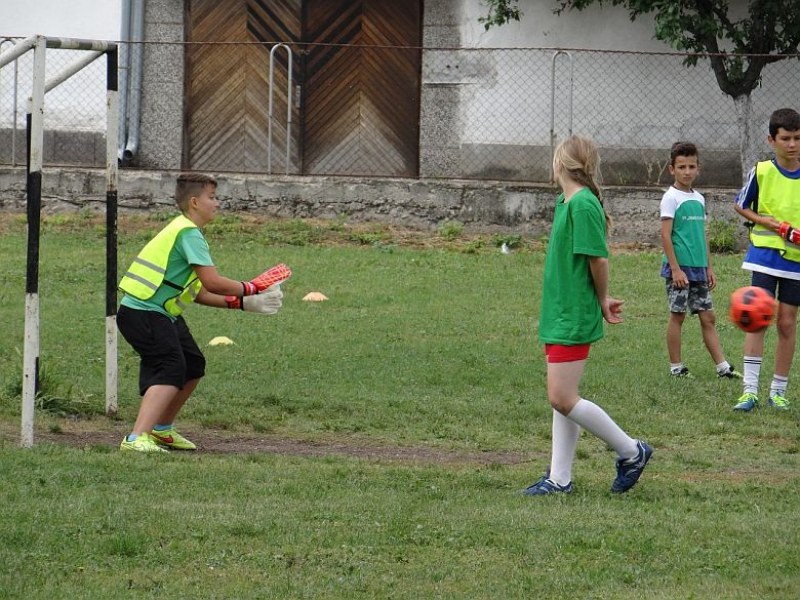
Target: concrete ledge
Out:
[482,206]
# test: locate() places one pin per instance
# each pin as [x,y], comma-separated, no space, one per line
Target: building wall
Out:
[604,27]
[162,108]
[635,105]
[485,103]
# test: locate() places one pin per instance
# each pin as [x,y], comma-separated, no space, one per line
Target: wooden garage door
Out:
[361,104]
[356,78]
[227,85]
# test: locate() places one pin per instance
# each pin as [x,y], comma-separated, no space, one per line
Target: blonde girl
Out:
[575,301]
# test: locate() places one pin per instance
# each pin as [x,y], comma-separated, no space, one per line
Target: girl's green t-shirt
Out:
[570,313]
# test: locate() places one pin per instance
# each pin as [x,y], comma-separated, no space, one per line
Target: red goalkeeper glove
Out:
[277,274]
[789,233]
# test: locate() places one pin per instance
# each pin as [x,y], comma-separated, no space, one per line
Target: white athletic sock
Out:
[594,419]
[675,368]
[723,367]
[752,369]
[565,441]
[778,386]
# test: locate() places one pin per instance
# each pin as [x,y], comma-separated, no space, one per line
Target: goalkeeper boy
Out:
[173,270]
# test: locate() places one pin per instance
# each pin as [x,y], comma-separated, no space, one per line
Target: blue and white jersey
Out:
[765,260]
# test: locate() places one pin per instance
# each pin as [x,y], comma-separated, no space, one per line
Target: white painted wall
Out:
[596,28]
[624,100]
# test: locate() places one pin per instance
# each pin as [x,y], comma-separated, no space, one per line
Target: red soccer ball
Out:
[752,308]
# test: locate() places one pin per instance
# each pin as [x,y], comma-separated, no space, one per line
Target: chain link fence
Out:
[75,110]
[477,113]
[511,106]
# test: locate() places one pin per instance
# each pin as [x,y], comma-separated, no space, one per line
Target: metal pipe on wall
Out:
[122,72]
[130,77]
[134,91]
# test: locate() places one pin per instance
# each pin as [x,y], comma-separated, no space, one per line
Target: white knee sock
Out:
[565,440]
[594,419]
[752,369]
[778,386]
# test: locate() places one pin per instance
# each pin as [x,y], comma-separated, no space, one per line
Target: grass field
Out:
[408,410]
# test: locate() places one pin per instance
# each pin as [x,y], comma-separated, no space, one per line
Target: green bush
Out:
[450,230]
[722,236]
[511,241]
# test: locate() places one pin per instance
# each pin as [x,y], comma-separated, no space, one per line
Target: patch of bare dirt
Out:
[211,441]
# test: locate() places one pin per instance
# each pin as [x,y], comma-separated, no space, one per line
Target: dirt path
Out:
[211,441]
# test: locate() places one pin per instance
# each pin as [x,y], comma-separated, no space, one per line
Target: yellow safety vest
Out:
[146,273]
[778,197]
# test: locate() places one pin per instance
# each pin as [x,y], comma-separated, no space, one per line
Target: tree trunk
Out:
[750,142]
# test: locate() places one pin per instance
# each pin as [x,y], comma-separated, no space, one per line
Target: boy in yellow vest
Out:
[771,200]
[173,270]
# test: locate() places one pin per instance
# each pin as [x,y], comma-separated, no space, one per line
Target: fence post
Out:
[271,116]
[553,103]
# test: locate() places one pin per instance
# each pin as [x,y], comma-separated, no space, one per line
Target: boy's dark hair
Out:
[784,118]
[682,149]
[190,185]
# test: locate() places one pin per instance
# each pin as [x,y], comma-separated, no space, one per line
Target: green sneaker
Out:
[172,439]
[142,443]
[779,402]
[747,402]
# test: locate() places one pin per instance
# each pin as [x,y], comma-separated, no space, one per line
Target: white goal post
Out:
[35,136]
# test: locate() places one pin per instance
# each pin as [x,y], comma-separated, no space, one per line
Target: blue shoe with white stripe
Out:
[546,486]
[629,470]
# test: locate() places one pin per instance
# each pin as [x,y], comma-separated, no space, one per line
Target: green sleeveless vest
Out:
[777,197]
[146,273]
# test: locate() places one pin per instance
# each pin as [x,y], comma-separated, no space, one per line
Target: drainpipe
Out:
[135,85]
[123,73]
[130,77]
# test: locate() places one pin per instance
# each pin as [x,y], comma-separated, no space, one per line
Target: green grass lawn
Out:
[423,344]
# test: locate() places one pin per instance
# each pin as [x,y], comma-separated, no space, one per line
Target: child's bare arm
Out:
[759,219]
[216,283]
[611,307]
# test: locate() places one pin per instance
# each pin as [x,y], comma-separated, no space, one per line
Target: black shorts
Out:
[785,290]
[169,354]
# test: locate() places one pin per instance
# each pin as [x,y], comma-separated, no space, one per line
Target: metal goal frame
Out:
[35,138]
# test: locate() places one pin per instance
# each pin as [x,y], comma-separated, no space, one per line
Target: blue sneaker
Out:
[746,402]
[546,486]
[629,470]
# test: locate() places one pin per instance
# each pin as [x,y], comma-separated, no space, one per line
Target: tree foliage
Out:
[500,13]
[738,50]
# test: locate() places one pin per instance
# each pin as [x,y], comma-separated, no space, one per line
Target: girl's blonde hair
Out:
[580,160]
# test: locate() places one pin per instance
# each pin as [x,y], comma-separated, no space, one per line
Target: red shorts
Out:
[556,353]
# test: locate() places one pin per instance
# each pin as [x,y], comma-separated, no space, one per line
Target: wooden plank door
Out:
[360,104]
[227,85]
